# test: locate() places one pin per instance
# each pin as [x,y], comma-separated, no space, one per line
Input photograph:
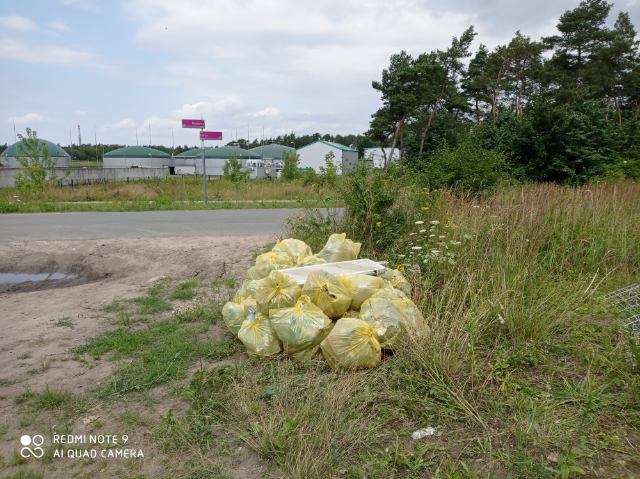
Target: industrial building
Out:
[215,159]
[271,159]
[9,157]
[136,157]
[376,156]
[313,156]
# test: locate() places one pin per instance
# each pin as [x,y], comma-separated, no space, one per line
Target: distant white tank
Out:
[9,157]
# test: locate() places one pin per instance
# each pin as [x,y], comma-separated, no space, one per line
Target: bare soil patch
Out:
[41,324]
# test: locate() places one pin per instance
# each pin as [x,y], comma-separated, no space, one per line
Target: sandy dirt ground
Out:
[39,327]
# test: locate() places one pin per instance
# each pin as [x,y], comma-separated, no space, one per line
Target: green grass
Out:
[185,290]
[159,353]
[50,405]
[522,367]
[166,194]
[525,371]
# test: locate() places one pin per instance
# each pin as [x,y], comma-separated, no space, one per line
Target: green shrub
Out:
[290,163]
[379,207]
[467,166]
[232,170]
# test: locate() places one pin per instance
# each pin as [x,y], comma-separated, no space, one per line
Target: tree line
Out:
[560,108]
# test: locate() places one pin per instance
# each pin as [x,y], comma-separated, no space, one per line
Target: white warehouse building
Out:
[313,156]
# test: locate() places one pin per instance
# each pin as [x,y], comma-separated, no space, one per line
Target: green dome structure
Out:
[215,158]
[136,157]
[220,152]
[9,157]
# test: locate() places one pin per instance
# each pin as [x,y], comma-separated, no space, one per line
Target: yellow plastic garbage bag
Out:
[248,288]
[277,290]
[267,262]
[397,280]
[351,344]
[361,287]
[339,248]
[310,260]
[301,328]
[252,274]
[327,293]
[258,336]
[295,248]
[235,312]
[391,313]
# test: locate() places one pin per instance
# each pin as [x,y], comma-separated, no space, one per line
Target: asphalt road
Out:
[94,225]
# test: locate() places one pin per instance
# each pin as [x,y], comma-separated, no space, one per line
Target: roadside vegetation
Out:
[169,194]
[524,369]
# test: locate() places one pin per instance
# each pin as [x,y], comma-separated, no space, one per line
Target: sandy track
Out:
[34,348]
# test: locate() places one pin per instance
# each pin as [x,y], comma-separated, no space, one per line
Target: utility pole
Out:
[136,136]
[95,142]
[79,136]
[15,135]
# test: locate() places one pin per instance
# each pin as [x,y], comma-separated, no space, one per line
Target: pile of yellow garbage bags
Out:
[347,320]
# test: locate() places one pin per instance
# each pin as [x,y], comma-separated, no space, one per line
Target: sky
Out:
[246,66]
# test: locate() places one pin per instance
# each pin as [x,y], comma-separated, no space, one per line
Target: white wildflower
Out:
[423,231]
[456,243]
[420,222]
[435,222]
[441,237]
[416,248]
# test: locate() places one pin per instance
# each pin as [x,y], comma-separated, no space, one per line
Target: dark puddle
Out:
[11,282]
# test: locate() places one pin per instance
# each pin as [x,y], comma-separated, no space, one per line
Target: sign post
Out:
[190,123]
[207,135]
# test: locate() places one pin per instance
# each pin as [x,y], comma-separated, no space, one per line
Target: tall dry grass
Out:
[173,189]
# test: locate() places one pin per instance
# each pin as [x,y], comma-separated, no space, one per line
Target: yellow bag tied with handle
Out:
[327,293]
[391,313]
[397,280]
[271,261]
[351,344]
[277,290]
[235,312]
[361,287]
[301,328]
[295,248]
[258,336]
[339,248]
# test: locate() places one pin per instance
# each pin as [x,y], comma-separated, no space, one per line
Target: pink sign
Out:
[192,123]
[211,135]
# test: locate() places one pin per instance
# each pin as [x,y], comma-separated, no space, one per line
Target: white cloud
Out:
[220,106]
[17,22]
[319,57]
[58,25]
[122,124]
[268,112]
[17,50]
[26,118]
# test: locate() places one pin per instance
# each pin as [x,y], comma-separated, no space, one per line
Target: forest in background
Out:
[562,108]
